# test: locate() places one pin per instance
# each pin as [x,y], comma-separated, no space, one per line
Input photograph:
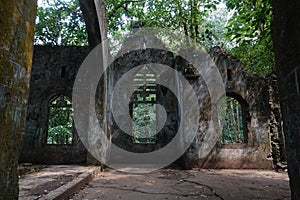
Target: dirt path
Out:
[174,184]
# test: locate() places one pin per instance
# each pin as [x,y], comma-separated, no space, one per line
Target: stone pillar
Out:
[16,44]
[286,39]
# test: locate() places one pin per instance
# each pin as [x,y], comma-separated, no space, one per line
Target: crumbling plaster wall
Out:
[261,116]
[164,97]
[53,72]
[257,96]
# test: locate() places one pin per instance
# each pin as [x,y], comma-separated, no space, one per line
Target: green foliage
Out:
[232,131]
[144,126]
[60,122]
[144,109]
[189,17]
[60,22]
[246,35]
[250,30]
[215,29]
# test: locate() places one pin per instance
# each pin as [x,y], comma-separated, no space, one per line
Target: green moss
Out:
[16,40]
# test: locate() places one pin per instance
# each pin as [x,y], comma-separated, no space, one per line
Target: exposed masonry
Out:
[54,71]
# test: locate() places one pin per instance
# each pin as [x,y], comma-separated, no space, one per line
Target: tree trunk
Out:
[286,39]
[16,44]
[183,22]
[89,12]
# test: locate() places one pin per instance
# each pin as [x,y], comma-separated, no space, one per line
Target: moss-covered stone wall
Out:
[16,41]
[54,69]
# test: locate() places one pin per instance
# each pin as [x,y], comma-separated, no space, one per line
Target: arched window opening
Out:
[143,107]
[60,120]
[233,130]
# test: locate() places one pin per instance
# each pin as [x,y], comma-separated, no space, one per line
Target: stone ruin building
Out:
[254,139]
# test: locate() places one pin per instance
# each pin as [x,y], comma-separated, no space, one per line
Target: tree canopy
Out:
[241,27]
[60,22]
[250,30]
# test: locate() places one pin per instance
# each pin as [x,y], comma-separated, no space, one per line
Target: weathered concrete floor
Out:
[38,184]
[174,184]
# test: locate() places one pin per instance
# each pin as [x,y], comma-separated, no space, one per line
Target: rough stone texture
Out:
[286,31]
[261,119]
[257,96]
[165,97]
[95,20]
[53,72]
[16,39]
